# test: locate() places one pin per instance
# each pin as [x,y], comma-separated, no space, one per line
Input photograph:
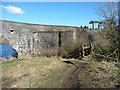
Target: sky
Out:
[50,13]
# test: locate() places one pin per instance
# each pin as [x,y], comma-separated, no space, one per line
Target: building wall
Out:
[27,38]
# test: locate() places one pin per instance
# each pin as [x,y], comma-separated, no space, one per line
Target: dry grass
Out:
[99,75]
[37,72]
[44,72]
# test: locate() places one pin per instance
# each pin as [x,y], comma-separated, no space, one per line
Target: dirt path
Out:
[71,80]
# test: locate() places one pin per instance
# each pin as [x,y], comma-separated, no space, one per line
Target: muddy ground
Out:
[71,80]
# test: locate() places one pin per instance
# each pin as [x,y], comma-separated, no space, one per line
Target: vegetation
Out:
[49,72]
[99,75]
[103,69]
[106,43]
[34,72]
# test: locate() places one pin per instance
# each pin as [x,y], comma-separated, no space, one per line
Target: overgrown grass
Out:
[49,72]
[99,74]
[34,72]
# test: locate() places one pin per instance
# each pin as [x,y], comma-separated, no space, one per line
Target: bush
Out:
[105,43]
[72,50]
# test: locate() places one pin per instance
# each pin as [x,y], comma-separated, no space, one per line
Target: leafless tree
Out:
[108,11]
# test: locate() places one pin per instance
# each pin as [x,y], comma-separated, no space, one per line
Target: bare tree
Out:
[108,11]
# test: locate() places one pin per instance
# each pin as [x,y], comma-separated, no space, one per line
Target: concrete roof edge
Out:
[39,24]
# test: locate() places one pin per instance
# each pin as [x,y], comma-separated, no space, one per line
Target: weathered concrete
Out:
[39,39]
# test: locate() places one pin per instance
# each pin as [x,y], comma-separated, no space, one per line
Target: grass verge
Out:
[99,75]
[34,72]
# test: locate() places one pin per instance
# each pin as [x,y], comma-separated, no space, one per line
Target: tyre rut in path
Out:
[71,80]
